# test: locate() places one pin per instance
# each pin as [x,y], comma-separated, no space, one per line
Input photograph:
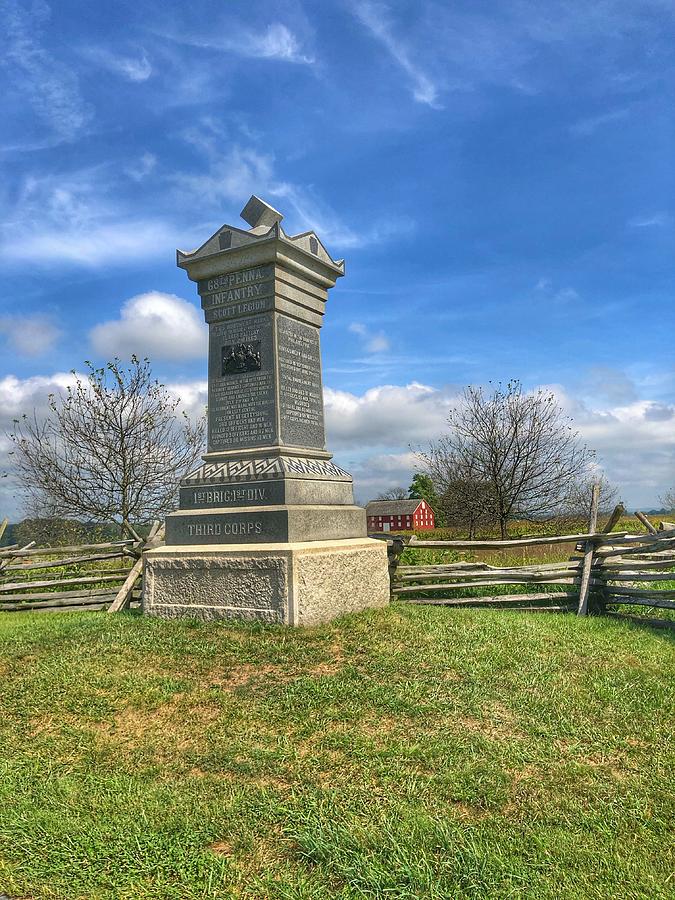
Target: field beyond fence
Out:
[597,571]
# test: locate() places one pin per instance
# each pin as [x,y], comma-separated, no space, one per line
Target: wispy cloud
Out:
[376,18]
[242,170]
[30,335]
[50,87]
[140,169]
[655,220]
[588,126]
[77,218]
[135,68]
[277,42]
[373,342]
[546,288]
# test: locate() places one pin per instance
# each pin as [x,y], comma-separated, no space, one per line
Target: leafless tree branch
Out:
[112,449]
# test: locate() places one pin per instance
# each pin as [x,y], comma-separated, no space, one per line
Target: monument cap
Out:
[257,213]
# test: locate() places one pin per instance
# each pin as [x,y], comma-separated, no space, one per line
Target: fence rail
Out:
[72,578]
[607,569]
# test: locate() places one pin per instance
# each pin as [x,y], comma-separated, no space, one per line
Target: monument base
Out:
[293,584]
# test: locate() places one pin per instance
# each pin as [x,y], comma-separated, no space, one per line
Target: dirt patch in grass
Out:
[499,724]
[466,812]
[222,848]
[244,676]
[253,675]
[526,786]
[171,728]
[266,850]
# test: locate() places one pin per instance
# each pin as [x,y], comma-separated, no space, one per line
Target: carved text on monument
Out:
[244,276]
[235,495]
[300,390]
[241,409]
[206,529]
[210,301]
[239,309]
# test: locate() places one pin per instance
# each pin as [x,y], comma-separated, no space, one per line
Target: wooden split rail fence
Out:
[606,570]
[76,578]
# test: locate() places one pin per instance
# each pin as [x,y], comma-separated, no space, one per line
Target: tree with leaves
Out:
[516,454]
[422,488]
[111,448]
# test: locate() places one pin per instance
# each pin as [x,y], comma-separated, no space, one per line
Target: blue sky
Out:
[500,178]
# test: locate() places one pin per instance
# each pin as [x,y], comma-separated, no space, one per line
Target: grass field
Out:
[406,753]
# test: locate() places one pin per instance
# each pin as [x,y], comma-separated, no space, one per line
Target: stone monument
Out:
[267,527]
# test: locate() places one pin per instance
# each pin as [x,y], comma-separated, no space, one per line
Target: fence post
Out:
[641,517]
[584,587]
[619,510]
[154,539]
[394,551]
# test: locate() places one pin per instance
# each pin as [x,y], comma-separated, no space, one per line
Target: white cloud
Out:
[588,126]
[373,433]
[378,473]
[30,335]
[387,415]
[635,441]
[49,86]
[140,170]
[160,326]
[635,444]
[134,68]
[548,289]
[244,170]
[610,384]
[75,218]
[377,342]
[277,42]
[19,397]
[28,396]
[193,396]
[375,17]
[655,220]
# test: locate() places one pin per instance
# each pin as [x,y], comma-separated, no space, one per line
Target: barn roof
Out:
[392,507]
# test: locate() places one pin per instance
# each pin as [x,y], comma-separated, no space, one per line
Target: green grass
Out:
[406,753]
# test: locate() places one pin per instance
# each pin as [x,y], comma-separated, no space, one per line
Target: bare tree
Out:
[395,493]
[517,454]
[668,500]
[577,505]
[111,449]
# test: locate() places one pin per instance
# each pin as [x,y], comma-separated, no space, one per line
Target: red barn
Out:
[399,515]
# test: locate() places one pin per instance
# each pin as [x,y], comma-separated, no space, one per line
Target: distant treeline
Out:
[56,532]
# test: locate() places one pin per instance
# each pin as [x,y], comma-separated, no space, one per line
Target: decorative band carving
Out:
[265,468]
